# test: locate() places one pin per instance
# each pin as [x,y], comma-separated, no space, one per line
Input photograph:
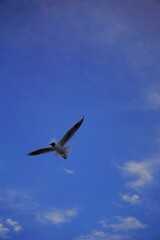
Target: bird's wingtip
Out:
[29,154]
[81,120]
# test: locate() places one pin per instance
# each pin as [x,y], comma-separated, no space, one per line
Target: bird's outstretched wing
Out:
[41,151]
[70,133]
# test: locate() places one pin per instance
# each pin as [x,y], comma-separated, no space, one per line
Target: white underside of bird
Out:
[61,151]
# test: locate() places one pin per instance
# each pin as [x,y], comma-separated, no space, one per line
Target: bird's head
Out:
[52,144]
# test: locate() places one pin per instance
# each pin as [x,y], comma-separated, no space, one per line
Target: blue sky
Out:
[61,60]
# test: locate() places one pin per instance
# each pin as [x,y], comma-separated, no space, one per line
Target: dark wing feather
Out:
[70,133]
[41,151]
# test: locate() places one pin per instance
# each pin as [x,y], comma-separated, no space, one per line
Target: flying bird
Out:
[59,147]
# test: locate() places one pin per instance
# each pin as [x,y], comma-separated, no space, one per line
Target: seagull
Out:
[59,147]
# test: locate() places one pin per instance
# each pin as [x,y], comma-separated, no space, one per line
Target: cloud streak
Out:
[58,216]
[69,171]
[124,224]
[101,235]
[20,200]
[120,229]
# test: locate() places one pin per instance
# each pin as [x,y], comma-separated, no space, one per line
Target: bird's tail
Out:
[66,150]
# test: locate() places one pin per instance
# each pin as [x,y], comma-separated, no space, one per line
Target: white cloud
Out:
[101,235]
[66,170]
[14,224]
[3,231]
[143,171]
[133,199]
[69,171]
[11,222]
[8,227]
[58,216]
[124,224]
[17,228]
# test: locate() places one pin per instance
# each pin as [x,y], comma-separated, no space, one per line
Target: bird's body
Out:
[59,147]
[63,151]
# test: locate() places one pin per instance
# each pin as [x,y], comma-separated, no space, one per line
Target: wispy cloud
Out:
[14,224]
[150,98]
[139,53]
[66,170]
[69,171]
[19,200]
[120,229]
[133,199]
[58,216]
[142,172]
[3,231]
[24,202]
[153,99]
[101,235]
[7,227]
[124,224]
